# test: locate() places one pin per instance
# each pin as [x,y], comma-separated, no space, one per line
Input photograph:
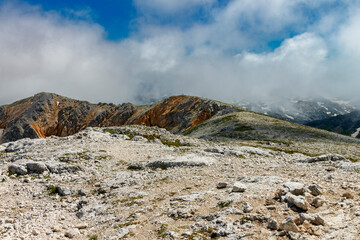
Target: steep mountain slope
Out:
[47,114]
[347,124]
[300,110]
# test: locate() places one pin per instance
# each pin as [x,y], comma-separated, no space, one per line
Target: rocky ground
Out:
[145,183]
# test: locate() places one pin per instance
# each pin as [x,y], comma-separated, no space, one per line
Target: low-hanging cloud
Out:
[45,51]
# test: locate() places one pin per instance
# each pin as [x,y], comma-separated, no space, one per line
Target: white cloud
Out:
[170,6]
[42,51]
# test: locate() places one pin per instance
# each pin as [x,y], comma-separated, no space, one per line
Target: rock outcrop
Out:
[47,114]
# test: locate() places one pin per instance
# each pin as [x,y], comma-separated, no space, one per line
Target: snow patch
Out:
[356,133]
[290,117]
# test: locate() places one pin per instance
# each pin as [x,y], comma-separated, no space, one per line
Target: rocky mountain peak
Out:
[47,114]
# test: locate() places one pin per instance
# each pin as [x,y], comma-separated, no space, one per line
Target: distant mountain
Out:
[300,110]
[47,114]
[347,124]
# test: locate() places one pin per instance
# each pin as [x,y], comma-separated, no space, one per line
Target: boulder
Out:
[314,190]
[273,225]
[327,157]
[56,167]
[314,219]
[17,169]
[189,160]
[239,187]
[13,147]
[221,185]
[295,188]
[36,167]
[298,201]
[288,225]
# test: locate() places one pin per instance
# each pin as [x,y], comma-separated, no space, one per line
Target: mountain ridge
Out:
[47,114]
[300,110]
[346,124]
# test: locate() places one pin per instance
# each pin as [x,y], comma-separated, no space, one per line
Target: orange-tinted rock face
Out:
[48,114]
[180,113]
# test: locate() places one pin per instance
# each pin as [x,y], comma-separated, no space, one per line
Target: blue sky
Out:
[115,16]
[136,50]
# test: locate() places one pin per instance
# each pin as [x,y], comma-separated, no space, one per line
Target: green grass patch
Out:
[110,130]
[224,204]
[175,143]
[53,190]
[242,128]
[131,201]
[93,237]
[353,159]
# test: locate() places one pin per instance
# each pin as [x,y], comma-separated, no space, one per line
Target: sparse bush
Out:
[223,204]
[53,190]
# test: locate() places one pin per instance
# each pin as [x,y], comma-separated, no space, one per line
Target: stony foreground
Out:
[145,183]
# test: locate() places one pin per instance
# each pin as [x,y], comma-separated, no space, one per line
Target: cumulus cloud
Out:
[226,58]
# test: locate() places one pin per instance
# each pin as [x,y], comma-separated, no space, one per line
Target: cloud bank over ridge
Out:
[238,49]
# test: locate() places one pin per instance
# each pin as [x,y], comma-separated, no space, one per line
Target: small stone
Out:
[273,225]
[139,139]
[239,187]
[315,190]
[62,191]
[136,166]
[170,235]
[35,232]
[288,225]
[9,220]
[82,226]
[26,180]
[186,234]
[81,192]
[72,233]
[271,207]
[246,207]
[318,220]
[221,185]
[294,236]
[317,202]
[269,202]
[279,193]
[56,228]
[348,195]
